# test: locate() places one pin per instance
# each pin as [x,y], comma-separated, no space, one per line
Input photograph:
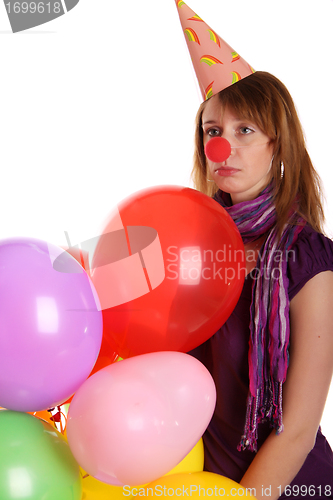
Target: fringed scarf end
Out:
[250,436]
[259,411]
[248,442]
[277,419]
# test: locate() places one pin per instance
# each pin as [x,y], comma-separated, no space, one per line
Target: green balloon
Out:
[36,462]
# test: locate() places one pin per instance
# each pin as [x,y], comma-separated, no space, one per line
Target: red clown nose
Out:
[217,149]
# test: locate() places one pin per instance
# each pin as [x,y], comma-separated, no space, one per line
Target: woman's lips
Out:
[225,171]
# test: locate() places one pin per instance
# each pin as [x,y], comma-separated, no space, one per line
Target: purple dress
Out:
[226,357]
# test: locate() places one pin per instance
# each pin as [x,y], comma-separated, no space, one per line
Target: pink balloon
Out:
[51,325]
[133,421]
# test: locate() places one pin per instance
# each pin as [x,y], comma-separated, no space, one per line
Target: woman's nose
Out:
[218,149]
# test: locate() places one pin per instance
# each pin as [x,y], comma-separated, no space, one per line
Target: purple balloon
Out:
[50,325]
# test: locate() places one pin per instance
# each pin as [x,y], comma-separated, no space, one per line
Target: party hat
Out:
[216,64]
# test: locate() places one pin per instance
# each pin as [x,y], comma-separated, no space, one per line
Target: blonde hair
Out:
[264,100]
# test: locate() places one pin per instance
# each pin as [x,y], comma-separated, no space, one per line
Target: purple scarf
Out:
[269,311]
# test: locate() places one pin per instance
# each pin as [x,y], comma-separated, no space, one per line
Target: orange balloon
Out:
[168,269]
[44,415]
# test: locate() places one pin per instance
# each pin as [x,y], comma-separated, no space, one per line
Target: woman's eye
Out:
[245,130]
[213,132]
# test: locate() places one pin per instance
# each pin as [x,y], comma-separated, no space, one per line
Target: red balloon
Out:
[169,269]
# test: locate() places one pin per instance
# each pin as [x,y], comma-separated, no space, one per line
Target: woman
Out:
[272,360]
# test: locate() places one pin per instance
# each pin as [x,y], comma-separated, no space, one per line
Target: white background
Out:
[101,102]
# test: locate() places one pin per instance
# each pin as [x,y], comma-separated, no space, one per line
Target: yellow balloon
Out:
[92,489]
[195,485]
[193,462]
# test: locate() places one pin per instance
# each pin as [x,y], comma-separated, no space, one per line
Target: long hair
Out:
[264,100]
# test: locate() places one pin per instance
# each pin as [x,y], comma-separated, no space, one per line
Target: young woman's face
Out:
[247,170]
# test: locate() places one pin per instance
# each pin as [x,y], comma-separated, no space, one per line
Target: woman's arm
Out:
[304,392]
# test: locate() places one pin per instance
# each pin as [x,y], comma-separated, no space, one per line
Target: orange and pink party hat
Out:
[215,63]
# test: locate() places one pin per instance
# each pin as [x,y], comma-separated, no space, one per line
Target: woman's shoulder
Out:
[311,254]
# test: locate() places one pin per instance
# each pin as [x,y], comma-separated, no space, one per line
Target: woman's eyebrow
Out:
[209,122]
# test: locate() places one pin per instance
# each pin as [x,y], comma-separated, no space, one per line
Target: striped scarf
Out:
[269,311]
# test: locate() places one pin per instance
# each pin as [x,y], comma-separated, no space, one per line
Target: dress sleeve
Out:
[311,255]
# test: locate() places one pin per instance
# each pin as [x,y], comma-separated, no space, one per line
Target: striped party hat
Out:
[216,64]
